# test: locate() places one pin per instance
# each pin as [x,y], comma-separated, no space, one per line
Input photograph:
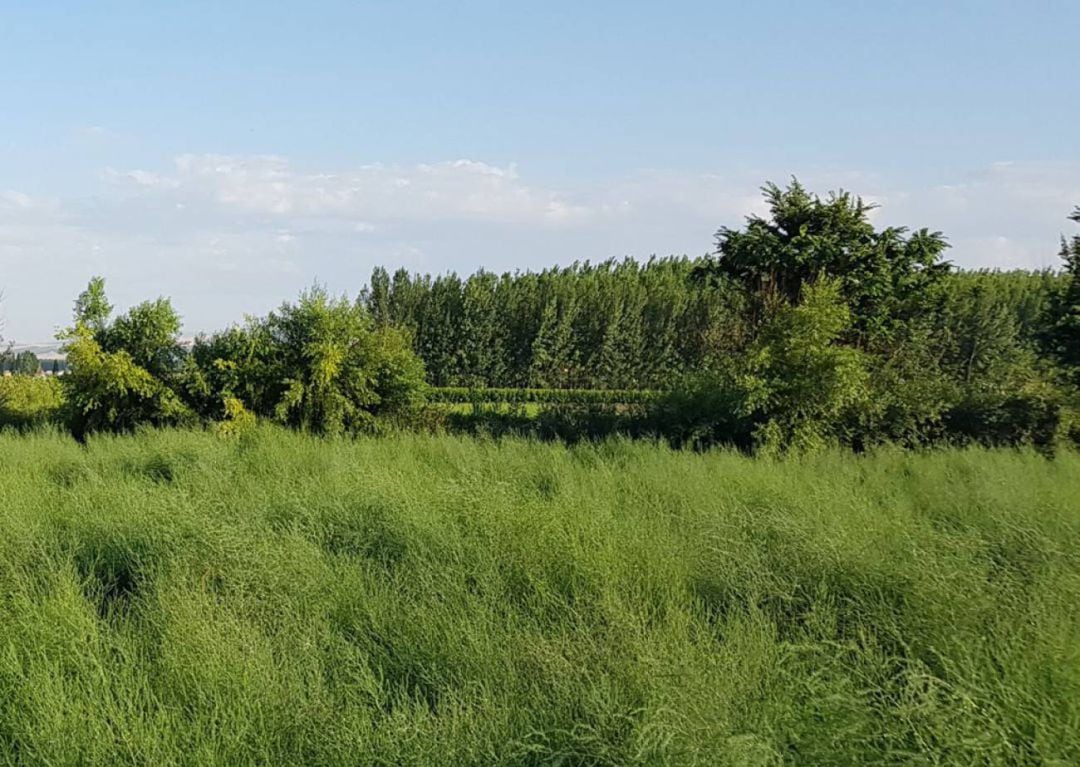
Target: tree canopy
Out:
[320,364]
[882,274]
[1064,335]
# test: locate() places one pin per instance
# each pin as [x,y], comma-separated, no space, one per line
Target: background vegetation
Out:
[806,327]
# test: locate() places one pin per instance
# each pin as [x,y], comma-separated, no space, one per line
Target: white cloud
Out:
[21,205]
[1008,215]
[270,185]
[140,178]
[15,200]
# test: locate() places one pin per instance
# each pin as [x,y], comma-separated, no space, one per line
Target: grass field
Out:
[177,599]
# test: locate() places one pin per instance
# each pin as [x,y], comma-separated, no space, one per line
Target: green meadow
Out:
[177,598]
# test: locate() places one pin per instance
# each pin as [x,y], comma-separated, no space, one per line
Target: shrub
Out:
[318,365]
[122,374]
[108,391]
[236,420]
[27,401]
[1037,414]
[708,408]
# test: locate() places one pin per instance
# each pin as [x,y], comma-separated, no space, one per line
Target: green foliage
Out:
[237,363]
[735,345]
[149,333]
[883,275]
[27,402]
[174,598]
[320,365]
[122,374]
[24,363]
[92,308]
[710,407]
[808,327]
[795,385]
[614,325]
[108,391]
[731,343]
[397,375]
[337,371]
[1036,413]
[569,415]
[889,346]
[236,420]
[802,378]
[1063,336]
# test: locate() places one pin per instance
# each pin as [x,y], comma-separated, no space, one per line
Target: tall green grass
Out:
[173,598]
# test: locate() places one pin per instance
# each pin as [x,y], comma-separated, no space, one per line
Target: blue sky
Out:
[228,154]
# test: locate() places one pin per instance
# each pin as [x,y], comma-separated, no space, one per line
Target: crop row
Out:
[462,394]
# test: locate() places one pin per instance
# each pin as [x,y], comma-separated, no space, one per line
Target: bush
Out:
[708,408]
[1038,414]
[27,401]
[318,365]
[122,374]
[236,420]
[109,392]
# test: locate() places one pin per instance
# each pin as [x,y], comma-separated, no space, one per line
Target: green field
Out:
[174,598]
[527,409]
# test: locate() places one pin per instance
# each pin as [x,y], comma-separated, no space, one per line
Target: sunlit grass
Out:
[173,598]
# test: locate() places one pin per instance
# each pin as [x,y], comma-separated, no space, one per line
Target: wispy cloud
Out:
[458,189]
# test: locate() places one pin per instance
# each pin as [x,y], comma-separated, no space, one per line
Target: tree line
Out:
[807,325]
[631,325]
[613,325]
[804,324]
[25,362]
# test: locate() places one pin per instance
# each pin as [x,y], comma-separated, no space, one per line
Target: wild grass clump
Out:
[175,598]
